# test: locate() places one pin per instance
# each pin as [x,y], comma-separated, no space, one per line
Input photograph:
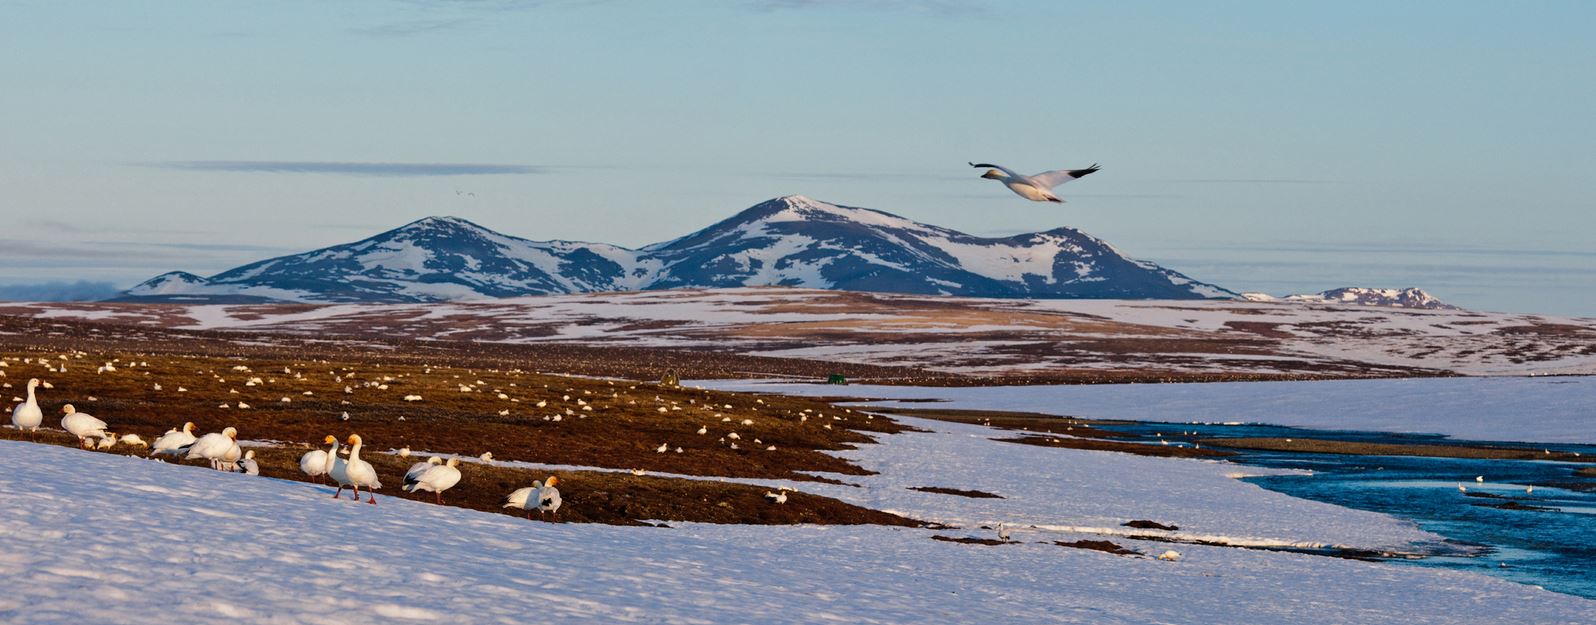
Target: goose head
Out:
[354,439]
[551,481]
[33,383]
[188,427]
[68,409]
[993,174]
[249,455]
[453,462]
[230,432]
[330,439]
[435,460]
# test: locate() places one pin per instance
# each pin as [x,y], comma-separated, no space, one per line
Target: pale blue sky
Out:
[1273,146]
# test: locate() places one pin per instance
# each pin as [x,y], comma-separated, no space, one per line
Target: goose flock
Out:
[221,450]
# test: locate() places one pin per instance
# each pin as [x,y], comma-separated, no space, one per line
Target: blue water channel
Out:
[1552,546]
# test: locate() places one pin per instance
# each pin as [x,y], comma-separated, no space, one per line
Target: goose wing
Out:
[1050,179]
[1010,172]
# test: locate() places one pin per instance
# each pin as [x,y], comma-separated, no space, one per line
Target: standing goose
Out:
[174,440]
[359,472]
[549,498]
[1036,188]
[213,447]
[27,415]
[316,463]
[418,468]
[520,497]
[437,478]
[82,425]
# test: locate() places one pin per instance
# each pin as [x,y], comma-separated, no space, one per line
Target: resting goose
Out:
[174,440]
[316,462]
[27,415]
[212,447]
[132,440]
[248,466]
[1036,188]
[435,478]
[82,425]
[106,443]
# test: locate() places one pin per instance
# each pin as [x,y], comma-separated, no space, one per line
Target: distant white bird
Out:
[27,415]
[1036,188]
[1529,490]
[404,452]
[1170,555]
[1003,532]
[214,447]
[436,479]
[486,457]
[173,440]
[662,448]
[778,497]
[82,425]
[133,440]
[248,466]
[316,462]
[106,443]
[1461,488]
[1479,478]
[703,429]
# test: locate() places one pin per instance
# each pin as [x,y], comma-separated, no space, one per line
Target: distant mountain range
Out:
[787,241]
[1393,298]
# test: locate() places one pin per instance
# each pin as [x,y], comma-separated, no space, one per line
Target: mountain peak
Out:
[791,240]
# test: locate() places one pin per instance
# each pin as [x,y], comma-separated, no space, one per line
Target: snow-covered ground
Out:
[88,537]
[1542,410]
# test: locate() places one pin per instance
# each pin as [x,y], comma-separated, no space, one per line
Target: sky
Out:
[1261,146]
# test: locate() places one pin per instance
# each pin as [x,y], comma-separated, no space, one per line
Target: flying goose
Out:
[1036,188]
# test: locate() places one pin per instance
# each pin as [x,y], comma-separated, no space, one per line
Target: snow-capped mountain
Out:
[787,241]
[1363,296]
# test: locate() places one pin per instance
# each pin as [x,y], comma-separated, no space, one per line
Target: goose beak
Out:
[990,175]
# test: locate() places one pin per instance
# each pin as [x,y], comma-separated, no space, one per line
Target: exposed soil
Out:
[969,540]
[1586,472]
[589,496]
[1007,420]
[1099,545]
[1322,446]
[973,494]
[1514,505]
[1162,451]
[1150,525]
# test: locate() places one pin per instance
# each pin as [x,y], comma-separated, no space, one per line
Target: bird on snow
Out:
[1036,188]
[174,439]
[1003,532]
[214,447]
[436,478]
[316,463]
[82,425]
[355,472]
[27,415]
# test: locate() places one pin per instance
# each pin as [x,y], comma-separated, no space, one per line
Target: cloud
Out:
[337,168]
[408,28]
[58,291]
[935,7]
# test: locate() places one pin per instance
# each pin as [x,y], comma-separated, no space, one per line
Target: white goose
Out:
[418,468]
[317,463]
[356,472]
[174,440]
[436,479]
[133,440]
[1036,188]
[248,466]
[27,415]
[82,425]
[540,496]
[213,447]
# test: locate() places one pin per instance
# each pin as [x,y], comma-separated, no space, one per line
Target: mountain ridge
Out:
[786,241]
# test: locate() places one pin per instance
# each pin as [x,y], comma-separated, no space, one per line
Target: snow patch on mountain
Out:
[787,241]
[1362,296]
